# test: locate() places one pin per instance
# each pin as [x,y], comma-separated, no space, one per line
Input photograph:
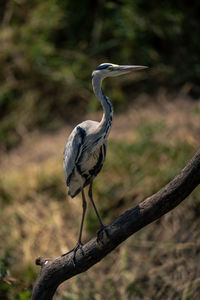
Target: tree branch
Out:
[55,271]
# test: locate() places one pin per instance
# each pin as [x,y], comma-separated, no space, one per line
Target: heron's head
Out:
[111,70]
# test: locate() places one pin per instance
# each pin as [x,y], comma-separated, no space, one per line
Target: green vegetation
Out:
[48,51]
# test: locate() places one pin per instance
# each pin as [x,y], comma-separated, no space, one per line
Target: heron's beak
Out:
[126,69]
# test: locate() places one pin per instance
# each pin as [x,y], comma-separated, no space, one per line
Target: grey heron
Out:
[85,149]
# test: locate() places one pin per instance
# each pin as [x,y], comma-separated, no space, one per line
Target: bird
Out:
[85,150]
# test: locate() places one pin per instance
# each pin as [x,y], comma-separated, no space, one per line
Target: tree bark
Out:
[55,271]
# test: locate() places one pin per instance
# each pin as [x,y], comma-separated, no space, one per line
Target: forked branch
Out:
[55,271]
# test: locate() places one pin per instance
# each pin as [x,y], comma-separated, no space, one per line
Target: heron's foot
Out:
[74,250]
[101,232]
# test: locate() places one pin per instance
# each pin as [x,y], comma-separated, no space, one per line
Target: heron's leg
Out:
[94,206]
[102,227]
[79,243]
[84,205]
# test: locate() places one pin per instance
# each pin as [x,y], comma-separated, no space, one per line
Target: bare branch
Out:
[55,271]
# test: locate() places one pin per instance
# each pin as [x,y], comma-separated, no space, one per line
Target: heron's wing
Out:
[72,151]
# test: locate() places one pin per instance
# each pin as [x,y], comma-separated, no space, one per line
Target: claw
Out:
[100,234]
[75,249]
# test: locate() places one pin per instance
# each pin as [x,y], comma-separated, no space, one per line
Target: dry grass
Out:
[148,145]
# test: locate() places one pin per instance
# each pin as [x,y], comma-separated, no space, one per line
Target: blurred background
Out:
[48,50]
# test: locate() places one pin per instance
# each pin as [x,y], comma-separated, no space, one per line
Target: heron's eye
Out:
[110,68]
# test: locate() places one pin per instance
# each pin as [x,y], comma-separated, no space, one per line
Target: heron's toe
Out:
[74,250]
[100,234]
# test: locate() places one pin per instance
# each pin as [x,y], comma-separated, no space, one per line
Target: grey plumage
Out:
[85,150]
[86,159]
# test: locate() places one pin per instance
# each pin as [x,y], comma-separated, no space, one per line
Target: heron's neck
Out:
[106,121]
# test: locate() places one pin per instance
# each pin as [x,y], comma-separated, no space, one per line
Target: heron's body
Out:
[85,149]
[83,164]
